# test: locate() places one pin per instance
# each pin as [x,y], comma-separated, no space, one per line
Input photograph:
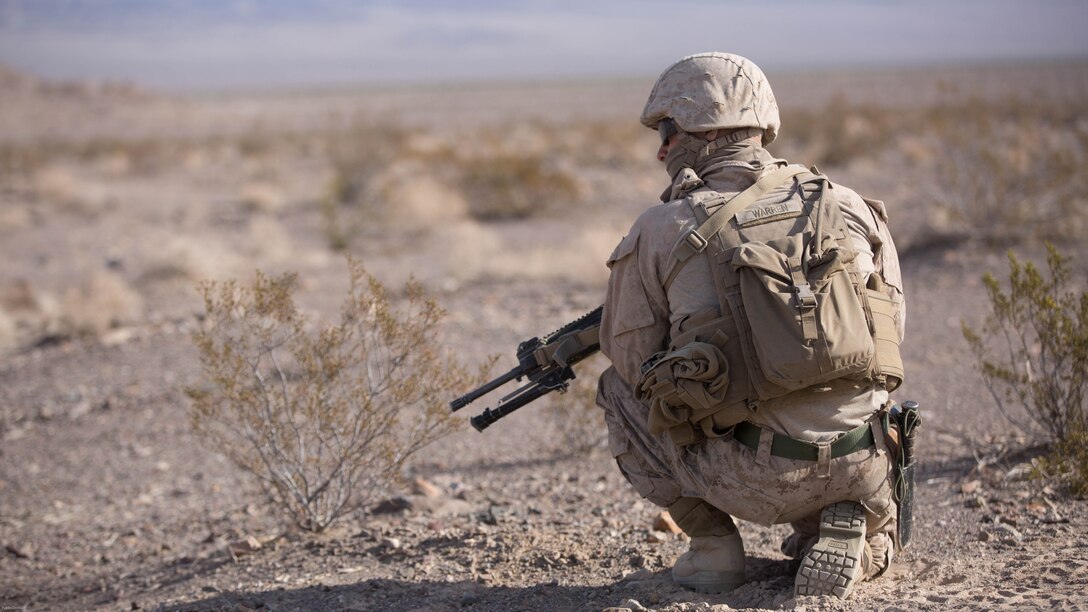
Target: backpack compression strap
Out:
[695,241]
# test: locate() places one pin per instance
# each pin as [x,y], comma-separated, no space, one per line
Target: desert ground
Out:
[504,201]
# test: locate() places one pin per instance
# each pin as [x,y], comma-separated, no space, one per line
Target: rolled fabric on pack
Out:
[690,379]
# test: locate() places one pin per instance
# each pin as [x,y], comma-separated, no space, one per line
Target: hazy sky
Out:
[181,44]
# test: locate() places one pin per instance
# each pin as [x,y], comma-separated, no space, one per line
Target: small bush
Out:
[103,302]
[504,186]
[840,132]
[1040,329]
[357,156]
[324,420]
[1070,458]
[1015,170]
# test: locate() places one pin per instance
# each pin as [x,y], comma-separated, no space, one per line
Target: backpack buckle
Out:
[696,241]
[805,297]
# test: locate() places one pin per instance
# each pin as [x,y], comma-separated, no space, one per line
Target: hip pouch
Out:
[888,364]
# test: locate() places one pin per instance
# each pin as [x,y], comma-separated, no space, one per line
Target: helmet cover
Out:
[711,91]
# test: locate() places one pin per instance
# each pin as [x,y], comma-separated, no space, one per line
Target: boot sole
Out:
[833,566]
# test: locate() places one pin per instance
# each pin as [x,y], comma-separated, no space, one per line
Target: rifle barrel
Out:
[479,392]
[522,397]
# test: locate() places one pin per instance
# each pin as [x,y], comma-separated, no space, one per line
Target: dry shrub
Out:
[19,160]
[994,169]
[1015,171]
[352,202]
[178,257]
[105,301]
[35,315]
[383,175]
[326,419]
[840,132]
[1033,350]
[613,144]
[478,250]
[416,198]
[504,186]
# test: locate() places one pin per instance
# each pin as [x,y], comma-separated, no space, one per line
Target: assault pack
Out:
[794,310]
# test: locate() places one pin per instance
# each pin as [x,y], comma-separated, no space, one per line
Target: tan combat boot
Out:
[714,564]
[715,561]
[837,560]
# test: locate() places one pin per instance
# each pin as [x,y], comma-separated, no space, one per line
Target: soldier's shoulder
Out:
[842,193]
[665,215]
[848,198]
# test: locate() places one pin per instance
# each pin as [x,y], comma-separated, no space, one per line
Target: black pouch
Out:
[906,419]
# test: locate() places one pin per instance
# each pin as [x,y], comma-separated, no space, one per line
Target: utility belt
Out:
[780,445]
[859,438]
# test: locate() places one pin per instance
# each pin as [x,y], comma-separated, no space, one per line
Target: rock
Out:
[20,552]
[118,336]
[971,487]
[634,605]
[392,505]
[244,546]
[664,522]
[82,408]
[655,537]
[424,488]
[1007,534]
[391,543]
[493,515]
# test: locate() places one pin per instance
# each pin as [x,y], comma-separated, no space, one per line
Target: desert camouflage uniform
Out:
[640,317]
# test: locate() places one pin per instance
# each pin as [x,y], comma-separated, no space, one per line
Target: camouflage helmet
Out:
[710,91]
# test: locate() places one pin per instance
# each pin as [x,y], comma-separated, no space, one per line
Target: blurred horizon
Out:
[194,45]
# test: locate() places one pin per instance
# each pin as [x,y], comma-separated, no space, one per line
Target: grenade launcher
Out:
[546,363]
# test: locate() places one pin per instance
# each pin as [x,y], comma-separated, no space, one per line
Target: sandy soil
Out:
[109,501]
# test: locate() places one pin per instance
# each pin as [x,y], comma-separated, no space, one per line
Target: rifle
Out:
[546,362]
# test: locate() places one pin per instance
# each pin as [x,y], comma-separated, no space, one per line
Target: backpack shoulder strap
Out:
[695,241]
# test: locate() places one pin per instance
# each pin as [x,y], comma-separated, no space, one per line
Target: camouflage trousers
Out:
[749,485]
